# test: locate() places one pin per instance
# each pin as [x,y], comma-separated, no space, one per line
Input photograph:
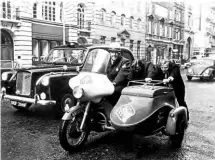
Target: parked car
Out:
[202,68]
[47,83]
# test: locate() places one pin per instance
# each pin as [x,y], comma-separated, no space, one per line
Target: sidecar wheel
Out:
[177,139]
[71,138]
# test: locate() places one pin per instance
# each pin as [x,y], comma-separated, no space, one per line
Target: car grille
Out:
[23,83]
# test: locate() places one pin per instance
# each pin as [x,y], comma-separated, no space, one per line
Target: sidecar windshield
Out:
[97,61]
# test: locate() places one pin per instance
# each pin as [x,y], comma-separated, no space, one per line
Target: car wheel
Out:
[189,78]
[22,108]
[67,99]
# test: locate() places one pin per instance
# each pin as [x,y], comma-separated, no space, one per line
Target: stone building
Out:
[164,30]
[31,28]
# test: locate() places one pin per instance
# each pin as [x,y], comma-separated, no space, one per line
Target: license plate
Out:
[125,112]
[20,104]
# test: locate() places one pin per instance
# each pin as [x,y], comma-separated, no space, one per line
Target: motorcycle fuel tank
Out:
[138,103]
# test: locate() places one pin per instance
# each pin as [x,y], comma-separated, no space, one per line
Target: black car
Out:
[47,83]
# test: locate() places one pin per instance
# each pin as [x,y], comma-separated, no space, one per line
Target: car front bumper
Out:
[198,75]
[35,100]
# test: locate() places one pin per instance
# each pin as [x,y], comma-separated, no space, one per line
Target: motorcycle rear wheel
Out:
[71,138]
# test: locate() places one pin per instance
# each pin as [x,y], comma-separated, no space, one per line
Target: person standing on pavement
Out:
[170,73]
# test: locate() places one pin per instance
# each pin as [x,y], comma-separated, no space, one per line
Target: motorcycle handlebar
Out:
[143,82]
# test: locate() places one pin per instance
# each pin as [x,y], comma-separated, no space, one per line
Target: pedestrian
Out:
[170,73]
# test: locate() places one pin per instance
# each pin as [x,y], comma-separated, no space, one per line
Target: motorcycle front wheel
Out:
[70,136]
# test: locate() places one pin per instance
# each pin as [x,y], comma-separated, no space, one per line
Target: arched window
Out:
[103,15]
[131,22]
[113,18]
[80,17]
[122,20]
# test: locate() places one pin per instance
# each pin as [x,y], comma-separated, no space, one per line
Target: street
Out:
[34,134]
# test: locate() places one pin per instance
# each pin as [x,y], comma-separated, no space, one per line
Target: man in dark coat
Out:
[142,69]
[118,72]
[170,73]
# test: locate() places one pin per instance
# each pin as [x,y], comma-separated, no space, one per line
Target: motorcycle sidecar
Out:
[146,108]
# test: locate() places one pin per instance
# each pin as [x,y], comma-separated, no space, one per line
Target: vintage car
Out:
[47,83]
[203,68]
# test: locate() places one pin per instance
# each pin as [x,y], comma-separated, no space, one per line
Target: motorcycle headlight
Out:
[190,70]
[78,92]
[45,81]
[4,76]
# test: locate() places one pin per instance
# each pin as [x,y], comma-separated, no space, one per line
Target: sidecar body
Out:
[145,108]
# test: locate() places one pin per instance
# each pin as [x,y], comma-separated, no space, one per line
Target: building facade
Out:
[32,29]
[204,23]
[164,30]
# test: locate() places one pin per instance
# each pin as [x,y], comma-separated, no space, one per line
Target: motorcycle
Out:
[143,108]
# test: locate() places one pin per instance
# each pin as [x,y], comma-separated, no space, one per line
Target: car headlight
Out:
[78,92]
[45,81]
[43,96]
[190,70]
[4,76]
[207,71]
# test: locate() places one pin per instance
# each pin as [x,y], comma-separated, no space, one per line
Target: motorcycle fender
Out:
[72,112]
[173,118]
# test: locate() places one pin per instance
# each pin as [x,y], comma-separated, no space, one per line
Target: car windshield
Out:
[9,64]
[72,56]
[97,61]
[208,62]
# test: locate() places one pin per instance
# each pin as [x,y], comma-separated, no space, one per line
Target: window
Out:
[113,18]
[170,31]
[161,29]
[61,11]
[6,9]
[149,27]
[188,20]
[80,16]
[122,42]
[103,15]
[155,28]
[131,45]
[122,20]
[113,39]
[138,49]
[139,23]
[102,39]
[35,10]
[131,22]
[170,14]
[48,10]
[166,33]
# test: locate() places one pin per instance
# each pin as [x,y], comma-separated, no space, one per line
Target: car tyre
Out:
[176,140]
[189,78]
[21,108]
[211,76]
[66,99]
